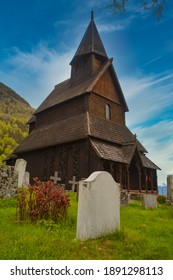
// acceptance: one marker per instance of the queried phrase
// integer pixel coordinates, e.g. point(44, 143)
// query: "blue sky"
point(39, 39)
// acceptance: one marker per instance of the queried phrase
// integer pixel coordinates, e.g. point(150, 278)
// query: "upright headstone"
point(26, 179)
point(149, 201)
point(124, 198)
point(20, 166)
point(98, 206)
point(170, 189)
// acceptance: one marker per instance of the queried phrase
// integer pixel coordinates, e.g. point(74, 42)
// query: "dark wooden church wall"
point(94, 161)
point(81, 70)
point(35, 163)
point(85, 68)
point(105, 87)
point(69, 160)
point(96, 63)
point(116, 113)
point(151, 180)
point(31, 127)
point(61, 112)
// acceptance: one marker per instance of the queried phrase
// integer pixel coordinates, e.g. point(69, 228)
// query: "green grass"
point(144, 234)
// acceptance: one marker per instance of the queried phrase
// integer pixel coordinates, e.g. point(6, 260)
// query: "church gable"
point(106, 87)
point(104, 108)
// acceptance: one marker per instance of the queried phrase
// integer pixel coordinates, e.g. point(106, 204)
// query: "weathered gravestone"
point(98, 206)
point(26, 179)
point(124, 198)
point(20, 166)
point(149, 201)
point(170, 189)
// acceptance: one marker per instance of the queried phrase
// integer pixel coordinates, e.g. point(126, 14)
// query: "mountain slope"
point(14, 113)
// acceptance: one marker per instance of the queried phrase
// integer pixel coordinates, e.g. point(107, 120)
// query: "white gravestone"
point(170, 188)
point(149, 201)
point(98, 206)
point(20, 166)
point(26, 179)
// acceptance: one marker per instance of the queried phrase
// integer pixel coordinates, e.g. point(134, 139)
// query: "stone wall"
point(8, 181)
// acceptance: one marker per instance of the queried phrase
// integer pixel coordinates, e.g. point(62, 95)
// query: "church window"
point(108, 111)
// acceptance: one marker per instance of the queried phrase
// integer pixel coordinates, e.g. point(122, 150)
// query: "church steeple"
point(89, 56)
point(91, 42)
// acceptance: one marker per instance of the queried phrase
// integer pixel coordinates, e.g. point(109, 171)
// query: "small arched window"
point(108, 111)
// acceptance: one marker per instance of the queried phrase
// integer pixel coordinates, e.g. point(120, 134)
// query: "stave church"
point(81, 127)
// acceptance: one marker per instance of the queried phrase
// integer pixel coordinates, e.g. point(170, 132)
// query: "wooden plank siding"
point(60, 112)
point(97, 107)
point(106, 88)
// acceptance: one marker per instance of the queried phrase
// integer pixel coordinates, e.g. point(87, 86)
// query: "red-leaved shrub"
point(42, 200)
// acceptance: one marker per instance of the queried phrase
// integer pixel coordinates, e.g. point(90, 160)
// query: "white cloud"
point(150, 101)
point(148, 97)
point(34, 74)
point(158, 140)
point(109, 27)
point(152, 60)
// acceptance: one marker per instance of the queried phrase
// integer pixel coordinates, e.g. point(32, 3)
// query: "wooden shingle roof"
point(148, 163)
point(91, 42)
point(109, 151)
point(110, 141)
point(112, 132)
point(64, 91)
point(76, 128)
point(117, 153)
point(55, 134)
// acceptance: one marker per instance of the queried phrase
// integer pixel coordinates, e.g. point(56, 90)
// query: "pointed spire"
point(91, 42)
point(92, 15)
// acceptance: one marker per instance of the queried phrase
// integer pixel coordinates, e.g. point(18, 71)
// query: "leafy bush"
point(42, 201)
point(161, 199)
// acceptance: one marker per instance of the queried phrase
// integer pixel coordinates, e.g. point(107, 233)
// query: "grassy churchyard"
point(144, 234)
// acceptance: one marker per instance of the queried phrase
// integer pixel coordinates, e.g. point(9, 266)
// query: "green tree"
point(154, 7)
point(14, 114)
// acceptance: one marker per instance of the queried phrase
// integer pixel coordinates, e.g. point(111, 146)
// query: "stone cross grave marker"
point(74, 183)
point(98, 206)
point(149, 201)
point(20, 166)
point(55, 178)
point(170, 189)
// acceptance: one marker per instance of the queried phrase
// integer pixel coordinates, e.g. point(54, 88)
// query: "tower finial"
point(92, 15)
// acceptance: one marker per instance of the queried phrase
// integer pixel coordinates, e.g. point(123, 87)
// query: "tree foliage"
point(14, 113)
point(154, 7)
